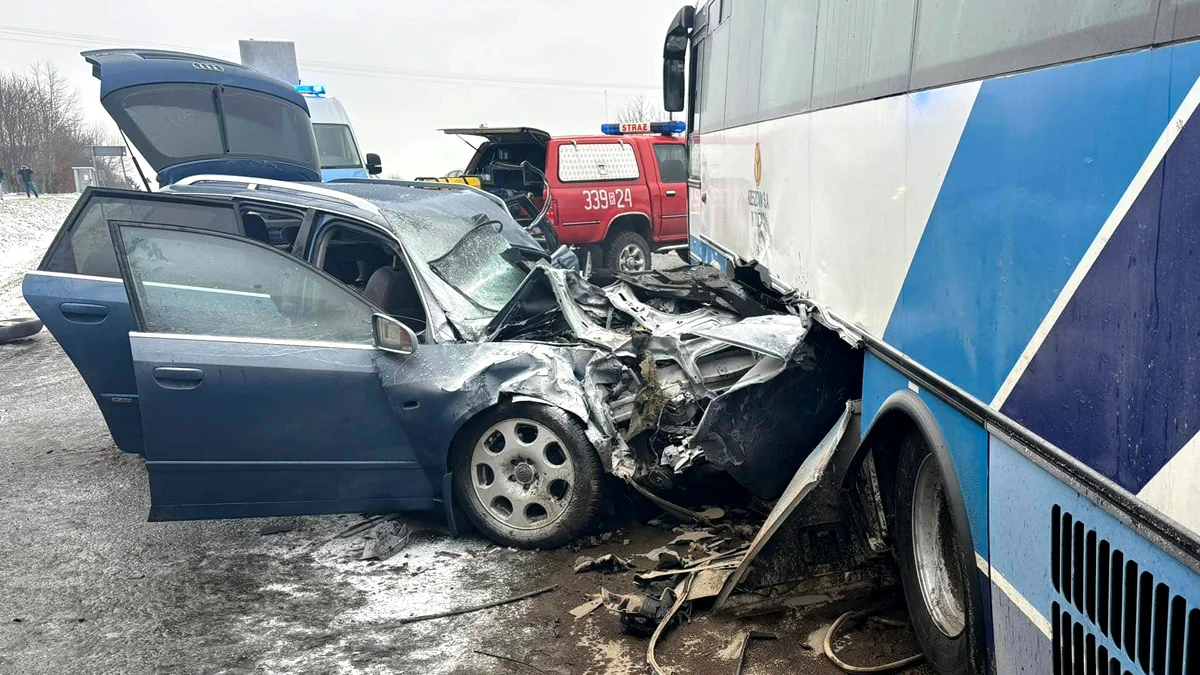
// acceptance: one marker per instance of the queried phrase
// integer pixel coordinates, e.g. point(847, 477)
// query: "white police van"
point(336, 143)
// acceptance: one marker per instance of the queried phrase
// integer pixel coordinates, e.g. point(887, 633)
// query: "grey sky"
point(616, 44)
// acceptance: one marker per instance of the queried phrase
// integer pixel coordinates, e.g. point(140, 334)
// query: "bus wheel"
point(943, 599)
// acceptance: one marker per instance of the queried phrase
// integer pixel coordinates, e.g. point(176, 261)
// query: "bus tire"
point(937, 568)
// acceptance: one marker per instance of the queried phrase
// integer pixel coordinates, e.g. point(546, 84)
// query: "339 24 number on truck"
point(598, 200)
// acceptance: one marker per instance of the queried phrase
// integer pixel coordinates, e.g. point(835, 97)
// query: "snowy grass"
point(27, 227)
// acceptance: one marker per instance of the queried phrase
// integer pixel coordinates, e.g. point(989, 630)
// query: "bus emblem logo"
point(757, 165)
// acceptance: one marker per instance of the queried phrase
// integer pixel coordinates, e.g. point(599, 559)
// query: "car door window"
point(86, 247)
point(672, 162)
point(198, 283)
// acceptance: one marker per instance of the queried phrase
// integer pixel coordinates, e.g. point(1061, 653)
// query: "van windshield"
point(335, 145)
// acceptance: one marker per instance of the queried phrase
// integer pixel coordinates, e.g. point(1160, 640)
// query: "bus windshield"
point(336, 147)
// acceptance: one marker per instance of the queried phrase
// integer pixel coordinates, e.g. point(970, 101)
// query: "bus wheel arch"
point(910, 456)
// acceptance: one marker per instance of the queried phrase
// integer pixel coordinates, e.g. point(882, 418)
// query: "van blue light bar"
point(311, 89)
point(672, 127)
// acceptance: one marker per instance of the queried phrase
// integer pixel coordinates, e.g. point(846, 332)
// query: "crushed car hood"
point(704, 367)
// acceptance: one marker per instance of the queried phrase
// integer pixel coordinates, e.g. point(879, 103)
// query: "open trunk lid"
point(503, 134)
point(190, 115)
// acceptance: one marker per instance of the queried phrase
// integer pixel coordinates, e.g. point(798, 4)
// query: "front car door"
point(259, 390)
point(671, 159)
point(77, 293)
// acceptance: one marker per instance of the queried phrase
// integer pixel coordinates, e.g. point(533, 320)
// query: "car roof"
point(364, 199)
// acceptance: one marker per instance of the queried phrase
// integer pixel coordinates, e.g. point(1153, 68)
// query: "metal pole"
point(95, 173)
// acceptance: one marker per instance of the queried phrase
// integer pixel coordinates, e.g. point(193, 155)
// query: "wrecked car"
point(289, 348)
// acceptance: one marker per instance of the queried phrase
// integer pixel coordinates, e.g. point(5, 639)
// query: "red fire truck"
point(620, 195)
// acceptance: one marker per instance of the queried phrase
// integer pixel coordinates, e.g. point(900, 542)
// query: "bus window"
point(786, 81)
point(960, 40)
point(863, 50)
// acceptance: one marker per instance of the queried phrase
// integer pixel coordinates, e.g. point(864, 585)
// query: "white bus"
point(999, 202)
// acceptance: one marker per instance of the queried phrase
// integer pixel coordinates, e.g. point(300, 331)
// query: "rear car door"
point(671, 190)
point(77, 293)
point(258, 383)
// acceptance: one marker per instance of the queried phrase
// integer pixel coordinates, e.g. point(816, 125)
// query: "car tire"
point(17, 329)
point(526, 475)
point(685, 254)
point(940, 584)
point(627, 251)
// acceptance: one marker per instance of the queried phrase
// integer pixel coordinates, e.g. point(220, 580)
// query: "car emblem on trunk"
point(211, 67)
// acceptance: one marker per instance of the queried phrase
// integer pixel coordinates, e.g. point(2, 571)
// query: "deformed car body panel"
point(462, 380)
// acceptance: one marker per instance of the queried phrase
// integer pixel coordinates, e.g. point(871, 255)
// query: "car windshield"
point(469, 257)
point(470, 267)
point(335, 144)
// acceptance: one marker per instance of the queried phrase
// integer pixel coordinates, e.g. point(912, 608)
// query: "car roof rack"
point(251, 184)
point(425, 185)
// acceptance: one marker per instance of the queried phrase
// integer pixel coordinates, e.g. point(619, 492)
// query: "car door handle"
point(83, 312)
point(178, 378)
point(670, 193)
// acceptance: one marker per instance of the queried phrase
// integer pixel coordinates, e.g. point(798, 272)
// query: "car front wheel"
point(526, 475)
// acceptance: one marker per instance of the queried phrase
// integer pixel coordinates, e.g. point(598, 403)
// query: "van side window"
point(672, 162)
point(86, 245)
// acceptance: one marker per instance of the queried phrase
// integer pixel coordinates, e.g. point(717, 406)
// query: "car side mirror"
point(374, 164)
point(393, 336)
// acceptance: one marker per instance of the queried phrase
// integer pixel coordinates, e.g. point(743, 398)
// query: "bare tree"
point(640, 109)
point(43, 126)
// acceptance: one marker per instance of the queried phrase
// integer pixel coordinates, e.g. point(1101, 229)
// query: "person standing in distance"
point(26, 174)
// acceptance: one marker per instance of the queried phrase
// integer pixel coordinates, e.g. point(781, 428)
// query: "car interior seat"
point(255, 227)
point(391, 288)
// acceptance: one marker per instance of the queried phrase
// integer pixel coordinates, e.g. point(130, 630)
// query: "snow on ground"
point(26, 228)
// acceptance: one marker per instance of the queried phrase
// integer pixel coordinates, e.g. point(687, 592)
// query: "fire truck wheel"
point(627, 252)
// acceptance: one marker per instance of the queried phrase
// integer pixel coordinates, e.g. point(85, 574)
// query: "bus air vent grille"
point(1111, 607)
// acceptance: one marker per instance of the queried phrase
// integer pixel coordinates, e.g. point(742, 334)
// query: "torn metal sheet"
point(761, 429)
point(810, 474)
point(587, 607)
point(777, 335)
point(605, 564)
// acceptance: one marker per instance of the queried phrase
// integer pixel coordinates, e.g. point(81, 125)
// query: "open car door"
point(190, 115)
point(258, 383)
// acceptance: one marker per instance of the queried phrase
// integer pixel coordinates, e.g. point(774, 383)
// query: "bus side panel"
point(719, 211)
point(1063, 570)
point(1126, 345)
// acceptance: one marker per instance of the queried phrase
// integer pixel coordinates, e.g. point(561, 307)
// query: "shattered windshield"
point(468, 257)
point(477, 268)
point(469, 265)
